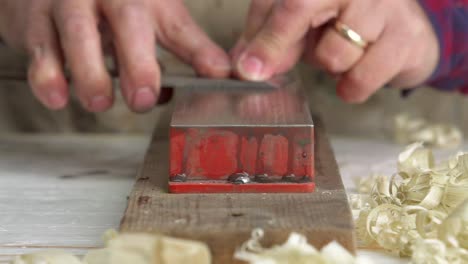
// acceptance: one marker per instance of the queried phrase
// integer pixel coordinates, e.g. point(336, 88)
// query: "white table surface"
point(65, 191)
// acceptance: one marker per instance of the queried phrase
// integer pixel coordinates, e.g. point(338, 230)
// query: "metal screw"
point(239, 178)
point(289, 178)
point(262, 178)
point(304, 179)
point(179, 178)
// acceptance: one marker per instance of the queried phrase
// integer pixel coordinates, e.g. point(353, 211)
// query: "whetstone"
point(242, 140)
point(225, 221)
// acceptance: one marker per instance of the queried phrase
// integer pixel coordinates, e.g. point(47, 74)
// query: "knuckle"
point(294, 6)
point(272, 41)
point(32, 33)
point(92, 85)
point(76, 26)
point(173, 30)
point(335, 55)
point(360, 79)
point(143, 76)
point(34, 36)
point(42, 78)
point(330, 61)
point(89, 78)
point(129, 10)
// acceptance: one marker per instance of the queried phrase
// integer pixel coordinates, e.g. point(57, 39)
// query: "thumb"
point(284, 30)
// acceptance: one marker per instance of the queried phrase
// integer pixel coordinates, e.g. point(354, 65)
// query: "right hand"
point(403, 47)
point(59, 32)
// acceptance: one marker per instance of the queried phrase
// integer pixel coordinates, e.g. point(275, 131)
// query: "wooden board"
point(225, 221)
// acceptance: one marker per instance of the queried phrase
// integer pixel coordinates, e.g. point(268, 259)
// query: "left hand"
point(402, 47)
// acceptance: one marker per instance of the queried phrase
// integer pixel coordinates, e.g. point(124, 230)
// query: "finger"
point(287, 25)
point(338, 54)
point(256, 17)
point(258, 14)
point(177, 32)
point(311, 41)
point(377, 67)
point(45, 73)
point(290, 58)
point(135, 47)
point(77, 27)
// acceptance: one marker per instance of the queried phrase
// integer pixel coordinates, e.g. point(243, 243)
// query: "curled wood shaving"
point(365, 185)
point(47, 257)
point(423, 207)
point(409, 129)
point(129, 248)
point(294, 250)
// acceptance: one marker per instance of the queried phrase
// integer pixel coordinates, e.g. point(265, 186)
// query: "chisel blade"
point(172, 81)
point(220, 85)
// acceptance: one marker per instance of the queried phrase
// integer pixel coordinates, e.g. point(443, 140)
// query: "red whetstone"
point(264, 138)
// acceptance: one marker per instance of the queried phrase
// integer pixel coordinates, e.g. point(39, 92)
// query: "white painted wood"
point(65, 191)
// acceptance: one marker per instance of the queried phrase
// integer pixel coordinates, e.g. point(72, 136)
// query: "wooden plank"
point(224, 221)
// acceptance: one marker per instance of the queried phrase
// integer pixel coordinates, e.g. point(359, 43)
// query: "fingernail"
point(55, 100)
point(251, 67)
point(143, 99)
point(99, 103)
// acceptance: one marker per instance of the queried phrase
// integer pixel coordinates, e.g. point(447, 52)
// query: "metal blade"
point(173, 81)
point(226, 85)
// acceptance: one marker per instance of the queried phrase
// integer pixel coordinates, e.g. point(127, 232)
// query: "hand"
point(402, 52)
point(59, 32)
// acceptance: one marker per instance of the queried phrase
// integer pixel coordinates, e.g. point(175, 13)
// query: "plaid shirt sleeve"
point(450, 22)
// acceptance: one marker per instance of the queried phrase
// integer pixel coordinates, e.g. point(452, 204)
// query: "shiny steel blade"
point(171, 81)
point(227, 85)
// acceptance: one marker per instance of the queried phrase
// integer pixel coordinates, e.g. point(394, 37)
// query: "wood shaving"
point(409, 129)
point(130, 248)
point(294, 250)
point(421, 211)
point(47, 257)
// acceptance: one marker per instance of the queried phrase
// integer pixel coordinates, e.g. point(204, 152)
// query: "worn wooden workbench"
point(65, 191)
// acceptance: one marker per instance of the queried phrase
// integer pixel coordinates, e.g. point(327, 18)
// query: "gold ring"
point(350, 35)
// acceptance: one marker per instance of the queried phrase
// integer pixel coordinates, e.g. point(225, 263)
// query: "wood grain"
point(225, 221)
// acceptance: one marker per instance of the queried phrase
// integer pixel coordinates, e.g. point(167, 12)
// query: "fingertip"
point(99, 103)
point(143, 99)
point(56, 100)
point(215, 65)
point(350, 94)
point(140, 86)
point(251, 67)
point(95, 91)
point(48, 84)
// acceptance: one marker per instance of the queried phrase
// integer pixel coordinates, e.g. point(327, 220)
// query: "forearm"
point(450, 22)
